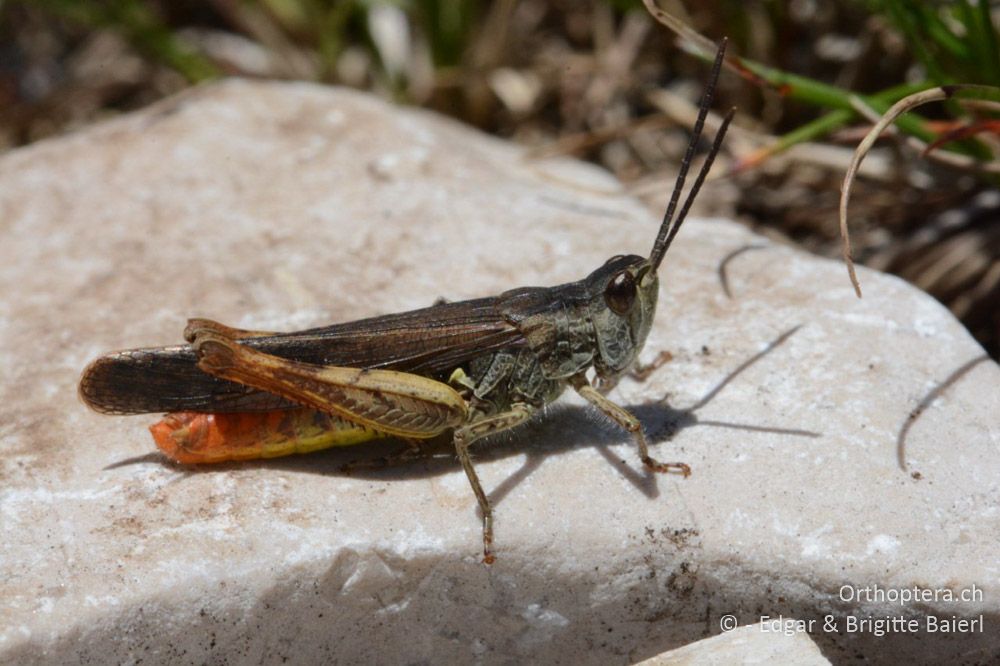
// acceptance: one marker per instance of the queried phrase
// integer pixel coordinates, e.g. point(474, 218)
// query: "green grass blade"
point(986, 39)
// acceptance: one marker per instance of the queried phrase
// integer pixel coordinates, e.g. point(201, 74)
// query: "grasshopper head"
point(629, 284)
point(622, 309)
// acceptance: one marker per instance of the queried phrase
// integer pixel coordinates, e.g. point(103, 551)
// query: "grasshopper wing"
point(431, 342)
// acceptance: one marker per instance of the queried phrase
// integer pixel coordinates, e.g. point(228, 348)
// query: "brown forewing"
point(431, 341)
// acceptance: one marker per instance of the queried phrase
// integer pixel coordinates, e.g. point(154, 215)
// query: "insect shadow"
point(561, 428)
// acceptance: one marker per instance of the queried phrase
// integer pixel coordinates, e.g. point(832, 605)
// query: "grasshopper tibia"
point(410, 450)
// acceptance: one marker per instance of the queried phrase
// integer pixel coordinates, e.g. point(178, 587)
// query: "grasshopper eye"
point(620, 293)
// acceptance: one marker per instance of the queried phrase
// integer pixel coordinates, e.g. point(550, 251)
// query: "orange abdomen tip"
point(196, 438)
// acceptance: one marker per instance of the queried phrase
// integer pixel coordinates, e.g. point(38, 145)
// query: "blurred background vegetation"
point(602, 80)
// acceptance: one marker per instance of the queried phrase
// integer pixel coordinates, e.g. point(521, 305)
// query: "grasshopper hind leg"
point(387, 401)
point(464, 436)
point(411, 450)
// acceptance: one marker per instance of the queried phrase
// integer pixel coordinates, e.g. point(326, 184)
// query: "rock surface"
point(752, 644)
point(283, 206)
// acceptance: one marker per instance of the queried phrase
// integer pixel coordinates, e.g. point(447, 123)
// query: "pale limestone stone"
point(284, 206)
point(753, 644)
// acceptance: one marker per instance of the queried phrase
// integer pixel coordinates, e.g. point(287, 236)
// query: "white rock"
point(289, 205)
point(753, 644)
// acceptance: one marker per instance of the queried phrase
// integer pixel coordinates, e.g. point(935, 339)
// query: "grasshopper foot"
point(488, 556)
point(641, 373)
point(667, 468)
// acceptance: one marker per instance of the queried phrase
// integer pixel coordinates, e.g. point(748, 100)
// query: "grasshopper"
point(473, 367)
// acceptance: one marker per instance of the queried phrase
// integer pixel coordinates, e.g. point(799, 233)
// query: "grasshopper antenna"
point(669, 228)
